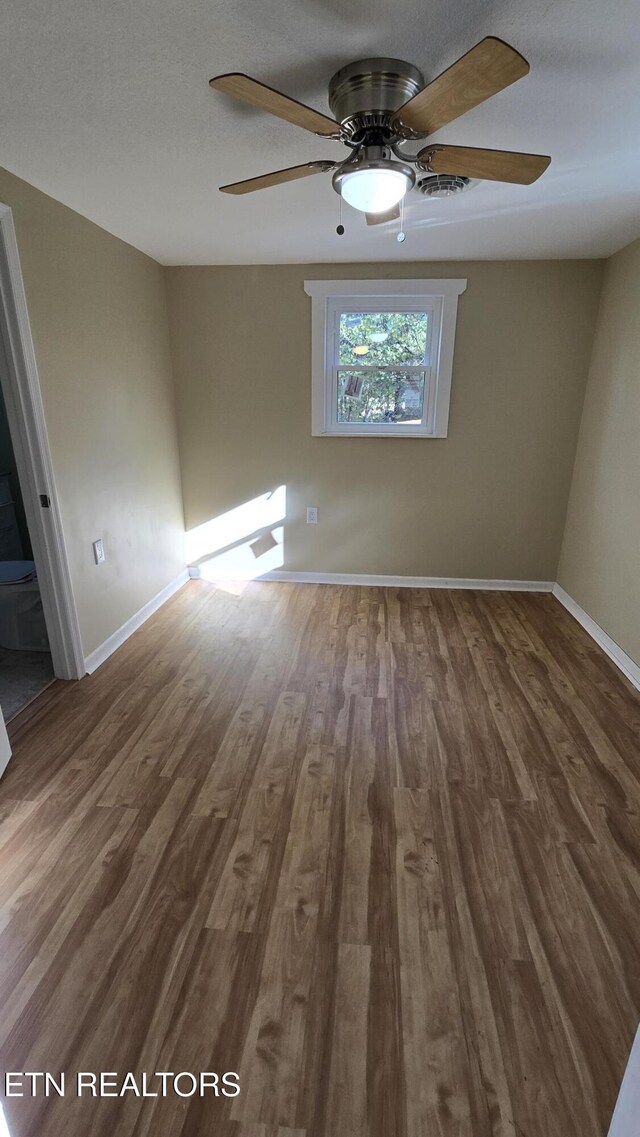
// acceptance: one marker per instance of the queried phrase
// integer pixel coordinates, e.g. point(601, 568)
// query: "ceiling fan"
point(381, 104)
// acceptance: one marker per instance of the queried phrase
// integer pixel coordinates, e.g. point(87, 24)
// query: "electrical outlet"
point(98, 552)
point(312, 515)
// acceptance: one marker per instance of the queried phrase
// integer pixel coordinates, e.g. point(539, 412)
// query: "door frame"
point(25, 412)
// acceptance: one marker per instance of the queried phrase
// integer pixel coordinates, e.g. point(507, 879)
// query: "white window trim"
point(438, 295)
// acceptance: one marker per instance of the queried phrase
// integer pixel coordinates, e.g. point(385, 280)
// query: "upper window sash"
point(338, 306)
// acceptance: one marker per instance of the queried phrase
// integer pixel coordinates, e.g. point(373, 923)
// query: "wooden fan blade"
point(380, 218)
point(291, 174)
point(267, 99)
point(492, 165)
point(489, 67)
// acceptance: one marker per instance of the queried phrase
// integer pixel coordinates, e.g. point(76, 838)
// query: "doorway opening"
point(37, 608)
point(26, 667)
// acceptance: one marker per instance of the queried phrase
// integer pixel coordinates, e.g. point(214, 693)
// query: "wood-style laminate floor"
point(378, 851)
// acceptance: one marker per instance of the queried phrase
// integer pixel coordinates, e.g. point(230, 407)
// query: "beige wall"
point(488, 501)
point(98, 316)
point(600, 562)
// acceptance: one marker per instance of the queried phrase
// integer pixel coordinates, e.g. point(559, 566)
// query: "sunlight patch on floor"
point(242, 543)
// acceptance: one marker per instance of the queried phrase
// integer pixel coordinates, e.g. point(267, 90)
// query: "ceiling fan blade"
point(489, 67)
point(267, 99)
point(291, 174)
point(380, 218)
point(492, 165)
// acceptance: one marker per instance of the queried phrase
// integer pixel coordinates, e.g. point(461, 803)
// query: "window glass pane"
point(382, 397)
point(383, 338)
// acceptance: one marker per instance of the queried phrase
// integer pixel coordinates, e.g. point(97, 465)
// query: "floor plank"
point(377, 851)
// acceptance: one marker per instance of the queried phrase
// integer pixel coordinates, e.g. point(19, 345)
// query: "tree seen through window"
point(381, 360)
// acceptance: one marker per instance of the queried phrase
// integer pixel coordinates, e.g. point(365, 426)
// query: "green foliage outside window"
point(373, 340)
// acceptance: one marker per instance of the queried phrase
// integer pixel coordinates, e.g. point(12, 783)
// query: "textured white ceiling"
point(105, 104)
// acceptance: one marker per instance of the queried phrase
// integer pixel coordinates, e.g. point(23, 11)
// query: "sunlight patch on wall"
point(242, 543)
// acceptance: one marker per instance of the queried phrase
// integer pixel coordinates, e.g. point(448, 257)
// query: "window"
point(382, 356)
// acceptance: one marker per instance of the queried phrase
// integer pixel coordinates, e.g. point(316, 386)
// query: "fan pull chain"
point(340, 227)
point(402, 236)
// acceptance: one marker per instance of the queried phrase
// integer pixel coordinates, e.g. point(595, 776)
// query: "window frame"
point(329, 298)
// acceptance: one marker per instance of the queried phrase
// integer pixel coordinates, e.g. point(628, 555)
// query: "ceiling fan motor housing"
point(364, 95)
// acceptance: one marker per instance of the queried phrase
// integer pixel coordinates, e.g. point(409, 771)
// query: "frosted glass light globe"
point(374, 191)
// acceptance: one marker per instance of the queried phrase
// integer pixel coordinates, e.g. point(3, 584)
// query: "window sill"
point(376, 434)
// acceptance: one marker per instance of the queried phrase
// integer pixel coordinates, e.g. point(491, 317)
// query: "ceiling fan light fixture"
point(374, 187)
point(379, 103)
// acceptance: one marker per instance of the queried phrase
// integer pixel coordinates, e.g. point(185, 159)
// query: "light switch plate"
point(98, 552)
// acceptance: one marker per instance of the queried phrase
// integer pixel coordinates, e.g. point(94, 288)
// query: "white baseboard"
point(624, 1122)
point(93, 661)
point(399, 581)
point(626, 664)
